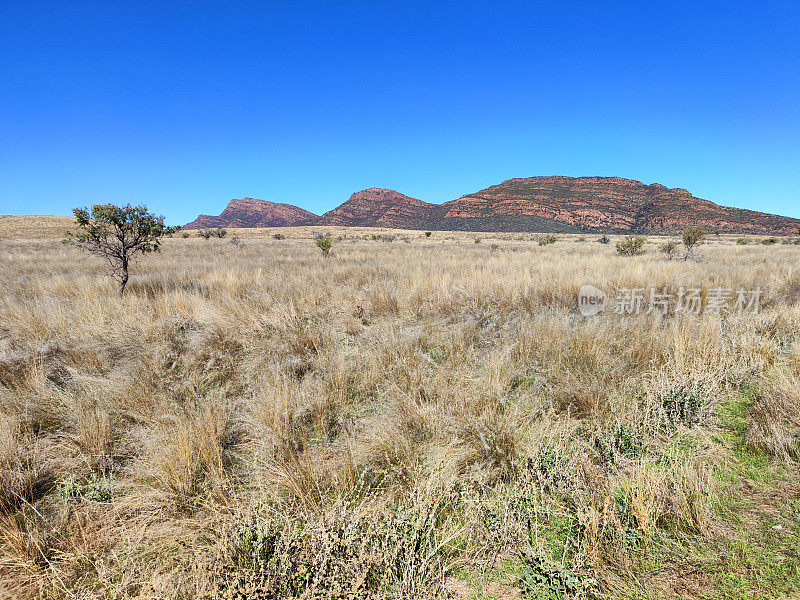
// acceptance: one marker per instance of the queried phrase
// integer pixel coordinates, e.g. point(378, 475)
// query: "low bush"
point(545, 240)
point(633, 245)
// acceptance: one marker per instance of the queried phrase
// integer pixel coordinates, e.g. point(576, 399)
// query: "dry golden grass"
point(402, 419)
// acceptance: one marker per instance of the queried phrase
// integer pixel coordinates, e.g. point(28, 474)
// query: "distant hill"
point(535, 204)
point(34, 227)
point(376, 207)
point(249, 212)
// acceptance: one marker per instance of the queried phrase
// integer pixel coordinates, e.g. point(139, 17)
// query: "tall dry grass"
point(255, 417)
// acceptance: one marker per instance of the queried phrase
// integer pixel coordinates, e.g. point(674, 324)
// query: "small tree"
point(428, 233)
point(118, 234)
point(669, 249)
point(692, 237)
point(324, 244)
point(633, 245)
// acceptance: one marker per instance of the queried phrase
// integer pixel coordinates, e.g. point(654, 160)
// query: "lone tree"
point(118, 234)
point(692, 237)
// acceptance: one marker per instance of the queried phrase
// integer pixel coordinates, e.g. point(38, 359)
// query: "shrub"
point(669, 248)
point(692, 237)
point(633, 245)
point(278, 236)
point(547, 239)
point(324, 244)
point(343, 553)
point(769, 241)
point(219, 232)
point(185, 234)
point(428, 233)
point(477, 240)
point(204, 233)
point(604, 239)
point(742, 241)
point(540, 577)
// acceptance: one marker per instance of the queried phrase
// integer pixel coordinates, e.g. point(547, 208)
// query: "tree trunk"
point(124, 280)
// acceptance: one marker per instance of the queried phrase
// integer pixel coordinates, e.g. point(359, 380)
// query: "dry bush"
point(350, 551)
point(774, 418)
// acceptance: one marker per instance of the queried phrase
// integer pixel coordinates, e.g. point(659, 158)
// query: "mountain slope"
point(377, 207)
point(249, 212)
point(597, 204)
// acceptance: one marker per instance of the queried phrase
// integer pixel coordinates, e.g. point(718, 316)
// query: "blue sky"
point(183, 106)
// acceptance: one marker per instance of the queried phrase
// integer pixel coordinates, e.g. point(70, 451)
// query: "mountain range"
point(533, 204)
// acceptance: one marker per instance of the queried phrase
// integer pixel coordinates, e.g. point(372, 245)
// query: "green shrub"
point(604, 239)
point(769, 241)
point(633, 245)
point(324, 244)
point(428, 233)
point(742, 241)
point(547, 239)
point(544, 579)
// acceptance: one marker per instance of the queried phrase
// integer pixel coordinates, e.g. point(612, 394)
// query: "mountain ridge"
point(251, 212)
point(532, 204)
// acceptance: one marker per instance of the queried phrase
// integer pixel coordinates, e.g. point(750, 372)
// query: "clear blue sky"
point(185, 105)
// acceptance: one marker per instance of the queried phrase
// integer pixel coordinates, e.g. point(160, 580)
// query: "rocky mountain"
point(249, 212)
point(376, 207)
point(534, 204)
point(587, 204)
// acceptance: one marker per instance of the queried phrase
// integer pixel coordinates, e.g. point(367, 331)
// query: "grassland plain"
point(411, 417)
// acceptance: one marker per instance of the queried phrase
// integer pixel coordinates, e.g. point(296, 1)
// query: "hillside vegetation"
point(411, 417)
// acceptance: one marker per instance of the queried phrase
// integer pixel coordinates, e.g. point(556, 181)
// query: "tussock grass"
point(399, 420)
